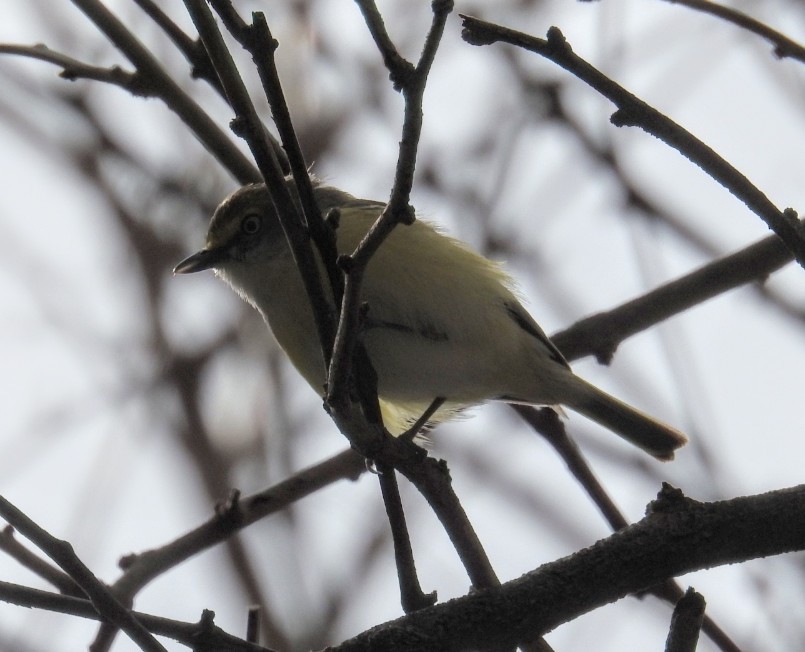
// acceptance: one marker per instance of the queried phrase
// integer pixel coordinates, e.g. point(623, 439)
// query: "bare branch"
point(73, 69)
point(547, 423)
point(248, 126)
point(411, 595)
point(192, 50)
point(783, 46)
point(686, 623)
point(210, 135)
point(600, 334)
point(635, 113)
point(398, 209)
point(61, 552)
point(204, 635)
point(25, 557)
point(704, 535)
point(142, 568)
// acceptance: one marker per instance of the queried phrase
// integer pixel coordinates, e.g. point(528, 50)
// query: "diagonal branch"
point(239, 513)
point(783, 46)
point(547, 423)
point(260, 43)
point(248, 125)
point(61, 552)
point(202, 126)
point(192, 50)
point(678, 535)
point(600, 334)
point(37, 565)
point(634, 112)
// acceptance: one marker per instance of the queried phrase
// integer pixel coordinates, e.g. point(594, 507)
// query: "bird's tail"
point(634, 426)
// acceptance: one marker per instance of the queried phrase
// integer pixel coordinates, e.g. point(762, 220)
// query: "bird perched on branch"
point(443, 326)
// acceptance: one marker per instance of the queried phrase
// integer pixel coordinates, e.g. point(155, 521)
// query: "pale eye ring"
point(251, 224)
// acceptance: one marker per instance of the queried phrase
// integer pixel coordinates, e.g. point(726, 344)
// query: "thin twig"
point(411, 595)
point(400, 70)
point(634, 112)
point(398, 209)
point(73, 69)
point(253, 625)
point(193, 52)
point(61, 552)
point(250, 128)
point(204, 635)
point(201, 125)
point(783, 46)
point(262, 46)
point(260, 43)
point(547, 423)
point(672, 592)
point(34, 563)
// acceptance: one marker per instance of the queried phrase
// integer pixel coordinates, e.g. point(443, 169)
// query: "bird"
point(444, 329)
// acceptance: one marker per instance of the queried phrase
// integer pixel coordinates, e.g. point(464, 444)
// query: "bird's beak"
point(199, 261)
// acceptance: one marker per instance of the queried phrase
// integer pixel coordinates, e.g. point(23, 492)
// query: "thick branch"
point(678, 536)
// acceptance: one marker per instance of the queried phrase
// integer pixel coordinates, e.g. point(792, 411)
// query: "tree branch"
point(37, 565)
point(202, 126)
point(600, 334)
point(634, 112)
point(140, 569)
point(192, 50)
point(248, 125)
point(398, 210)
point(679, 535)
point(783, 46)
point(547, 423)
point(204, 635)
point(61, 552)
point(73, 69)
point(683, 635)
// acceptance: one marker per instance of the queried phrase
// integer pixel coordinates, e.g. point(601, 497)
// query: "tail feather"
point(634, 426)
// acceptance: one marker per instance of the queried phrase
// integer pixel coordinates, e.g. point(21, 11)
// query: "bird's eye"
point(251, 224)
